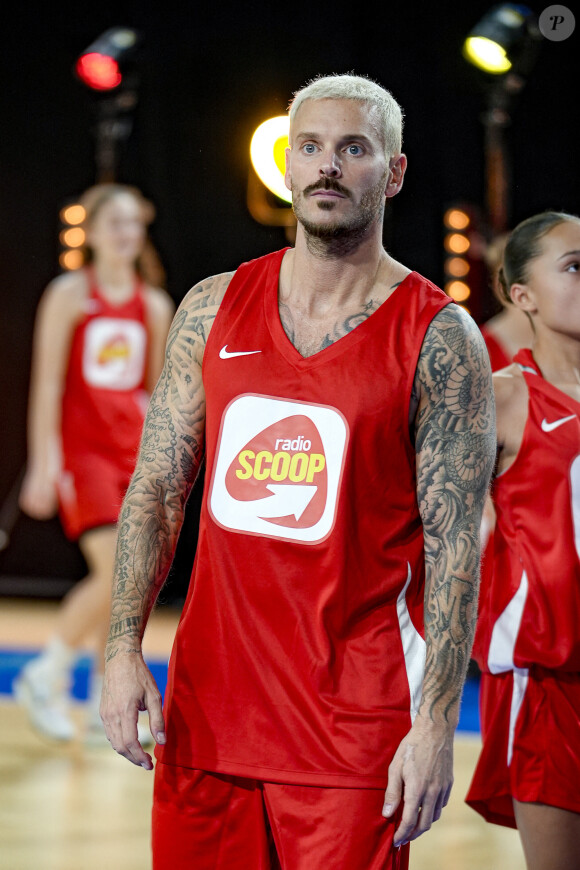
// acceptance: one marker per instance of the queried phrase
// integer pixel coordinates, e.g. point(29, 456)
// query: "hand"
point(422, 773)
point(128, 687)
point(38, 495)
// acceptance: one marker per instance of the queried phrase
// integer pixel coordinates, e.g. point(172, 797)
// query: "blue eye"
point(355, 150)
point(309, 148)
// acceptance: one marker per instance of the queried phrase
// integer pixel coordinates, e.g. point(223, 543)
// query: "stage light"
point(99, 71)
point(268, 155)
point(457, 243)
point(456, 219)
point(497, 38)
point(100, 65)
point(73, 214)
point(73, 237)
point(458, 267)
point(71, 260)
point(458, 290)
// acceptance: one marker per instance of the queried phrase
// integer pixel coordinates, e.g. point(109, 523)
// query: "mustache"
point(327, 184)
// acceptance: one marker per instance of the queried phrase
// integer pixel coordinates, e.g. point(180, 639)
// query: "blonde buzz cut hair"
point(365, 90)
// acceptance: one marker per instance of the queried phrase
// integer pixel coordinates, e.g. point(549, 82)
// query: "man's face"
point(336, 167)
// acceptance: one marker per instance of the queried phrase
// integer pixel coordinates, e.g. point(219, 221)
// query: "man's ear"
point(397, 169)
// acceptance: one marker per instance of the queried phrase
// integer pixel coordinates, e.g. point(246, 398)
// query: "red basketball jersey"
point(498, 357)
point(104, 401)
point(299, 657)
point(530, 608)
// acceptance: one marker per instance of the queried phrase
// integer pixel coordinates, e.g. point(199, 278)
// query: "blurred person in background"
point(509, 329)
point(528, 632)
point(98, 350)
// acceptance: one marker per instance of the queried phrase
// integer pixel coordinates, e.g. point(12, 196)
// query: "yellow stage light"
point(456, 219)
point(457, 243)
point(71, 259)
point(457, 266)
point(487, 54)
point(73, 214)
point(74, 237)
point(458, 290)
point(268, 155)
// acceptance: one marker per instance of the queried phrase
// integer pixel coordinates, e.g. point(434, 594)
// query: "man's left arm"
point(455, 443)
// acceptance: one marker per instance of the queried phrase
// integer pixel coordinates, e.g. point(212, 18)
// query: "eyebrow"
point(569, 253)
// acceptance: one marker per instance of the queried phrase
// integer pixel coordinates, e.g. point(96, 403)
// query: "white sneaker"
point(45, 699)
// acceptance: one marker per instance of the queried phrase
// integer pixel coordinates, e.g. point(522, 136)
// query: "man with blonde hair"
point(344, 411)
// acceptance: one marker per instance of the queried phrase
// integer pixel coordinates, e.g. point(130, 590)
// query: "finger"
point(132, 749)
point(447, 793)
point(409, 820)
point(440, 803)
point(121, 732)
point(424, 820)
point(156, 719)
point(394, 791)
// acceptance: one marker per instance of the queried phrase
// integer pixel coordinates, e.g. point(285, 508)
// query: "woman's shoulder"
point(511, 403)
point(158, 301)
point(67, 292)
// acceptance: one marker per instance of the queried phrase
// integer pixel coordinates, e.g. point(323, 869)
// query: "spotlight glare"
point(73, 214)
point(71, 260)
point(457, 243)
point(73, 237)
point(458, 290)
point(267, 152)
point(98, 71)
point(456, 219)
point(487, 54)
point(458, 267)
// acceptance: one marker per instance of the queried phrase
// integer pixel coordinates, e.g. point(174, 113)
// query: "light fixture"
point(268, 155)
point(100, 66)
point(496, 40)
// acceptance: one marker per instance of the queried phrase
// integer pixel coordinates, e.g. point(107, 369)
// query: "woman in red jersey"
point(98, 351)
point(528, 635)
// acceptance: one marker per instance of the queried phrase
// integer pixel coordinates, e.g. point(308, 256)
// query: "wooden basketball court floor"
point(79, 808)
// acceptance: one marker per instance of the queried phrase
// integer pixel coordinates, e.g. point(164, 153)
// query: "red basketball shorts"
point(210, 821)
point(91, 491)
point(531, 743)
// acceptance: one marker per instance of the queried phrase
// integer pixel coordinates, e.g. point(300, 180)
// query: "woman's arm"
point(58, 313)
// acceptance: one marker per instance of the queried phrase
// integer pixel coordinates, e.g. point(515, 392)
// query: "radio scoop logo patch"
point(278, 468)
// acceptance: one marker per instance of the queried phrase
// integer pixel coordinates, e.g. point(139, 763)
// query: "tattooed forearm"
point(455, 443)
point(172, 448)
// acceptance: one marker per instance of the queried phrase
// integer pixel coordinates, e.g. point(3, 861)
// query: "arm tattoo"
point(171, 452)
point(455, 444)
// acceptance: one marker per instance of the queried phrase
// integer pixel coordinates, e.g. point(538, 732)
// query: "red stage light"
point(98, 71)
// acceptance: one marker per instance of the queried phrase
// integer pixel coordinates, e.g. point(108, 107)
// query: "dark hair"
point(523, 245)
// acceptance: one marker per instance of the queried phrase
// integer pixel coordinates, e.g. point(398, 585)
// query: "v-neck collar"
point(341, 345)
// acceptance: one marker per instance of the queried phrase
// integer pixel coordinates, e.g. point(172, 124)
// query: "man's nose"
point(330, 166)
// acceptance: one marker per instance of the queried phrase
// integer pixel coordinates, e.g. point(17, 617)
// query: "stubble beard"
point(335, 239)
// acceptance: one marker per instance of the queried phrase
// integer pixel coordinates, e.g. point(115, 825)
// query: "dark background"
point(210, 73)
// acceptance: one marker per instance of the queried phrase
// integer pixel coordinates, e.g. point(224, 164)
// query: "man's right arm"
point(170, 455)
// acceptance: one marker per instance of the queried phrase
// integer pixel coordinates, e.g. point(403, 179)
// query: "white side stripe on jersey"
point(575, 481)
point(518, 693)
point(414, 649)
point(505, 631)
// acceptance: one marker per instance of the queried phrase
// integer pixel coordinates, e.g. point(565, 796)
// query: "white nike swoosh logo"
point(547, 427)
point(227, 354)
